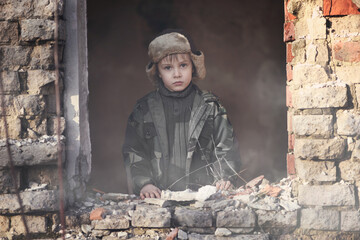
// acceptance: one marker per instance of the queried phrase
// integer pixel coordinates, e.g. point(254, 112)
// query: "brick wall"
point(27, 72)
point(323, 83)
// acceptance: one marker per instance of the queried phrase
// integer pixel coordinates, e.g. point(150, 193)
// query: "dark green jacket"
point(211, 152)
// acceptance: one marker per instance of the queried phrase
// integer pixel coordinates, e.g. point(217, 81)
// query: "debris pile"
point(256, 210)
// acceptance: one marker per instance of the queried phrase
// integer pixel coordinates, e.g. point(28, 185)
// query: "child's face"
point(176, 71)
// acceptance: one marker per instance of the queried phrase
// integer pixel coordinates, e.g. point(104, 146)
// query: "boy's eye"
point(183, 65)
point(167, 67)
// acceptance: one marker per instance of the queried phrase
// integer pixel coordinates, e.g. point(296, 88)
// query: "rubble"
point(203, 214)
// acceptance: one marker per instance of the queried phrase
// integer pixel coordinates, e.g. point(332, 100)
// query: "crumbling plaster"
point(78, 151)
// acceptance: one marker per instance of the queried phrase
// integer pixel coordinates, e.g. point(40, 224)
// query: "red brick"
point(289, 55)
point(289, 31)
point(291, 141)
point(288, 16)
point(288, 97)
point(347, 51)
point(97, 214)
point(289, 72)
point(290, 160)
point(340, 7)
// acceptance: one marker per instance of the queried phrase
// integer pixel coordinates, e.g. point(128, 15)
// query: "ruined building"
point(318, 200)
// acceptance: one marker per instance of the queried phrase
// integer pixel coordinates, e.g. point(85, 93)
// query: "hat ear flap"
point(198, 59)
point(151, 72)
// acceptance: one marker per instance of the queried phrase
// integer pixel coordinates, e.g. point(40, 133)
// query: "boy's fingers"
point(158, 193)
point(147, 195)
point(142, 196)
point(227, 185)
point(218, 185)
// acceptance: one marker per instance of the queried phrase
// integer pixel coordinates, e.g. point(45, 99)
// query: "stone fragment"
point(182, 235)
point(301, 29)
point(31, 105)
point(160, 202)
point(195, 236)
point(317, 53)
point(13, 126)
point(329, 95)
point(236, 219)
point(357, 89)
point(180, 196)
point(112, 222)
point(319, 219)
point(30, 155)
point(43, 175)
point(205, 192)
point(321, 171)
point(38, 79)
point(350, 221)
point(241, 230)
point(36, 126)
point(100, 233)
point(298, 51)
point(15, 9)
point(222, 232)
point(277, 222)
point(327, 195)
point(4, 224)
point(348, 123)
point(42, 57)
point(192, 218)
point(6, 183)
point(317, 27)
point(268, 203)
point(86, 228)
point(10, 108)
point(97, 214)
point(347, 51)
point(9, 32)
point(349, 170)
point(10, 80)
point(53, 123)
point(313, 125)
point(289, 205)
point(46, 8)
point(346, 26)
point(13, 57)
point(42, 29)
point(36, 224)
point(356, 151)
point(348, 74)
point(221, 205)
point(323, 149)
point(33, 201)
point(307, 73)
point(151, 217)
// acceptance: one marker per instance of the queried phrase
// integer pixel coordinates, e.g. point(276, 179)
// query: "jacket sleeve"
point(135, 153)
point(226, 152)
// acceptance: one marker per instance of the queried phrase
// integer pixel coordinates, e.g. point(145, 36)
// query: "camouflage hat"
point(172, 43)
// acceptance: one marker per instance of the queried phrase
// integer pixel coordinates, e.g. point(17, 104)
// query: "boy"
point(178, 136)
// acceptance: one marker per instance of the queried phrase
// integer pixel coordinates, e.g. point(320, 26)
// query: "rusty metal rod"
point(58, 113)
point(11, 161)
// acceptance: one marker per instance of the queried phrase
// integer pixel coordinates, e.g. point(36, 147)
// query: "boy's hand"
point(223, 185)
point(150, 191)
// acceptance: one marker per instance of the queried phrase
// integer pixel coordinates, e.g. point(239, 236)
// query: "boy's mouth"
point(177, 83)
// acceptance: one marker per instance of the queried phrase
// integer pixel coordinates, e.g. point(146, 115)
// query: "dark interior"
point(245, 60)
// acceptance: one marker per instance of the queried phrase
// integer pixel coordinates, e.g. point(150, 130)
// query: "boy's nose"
point(177, 72)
